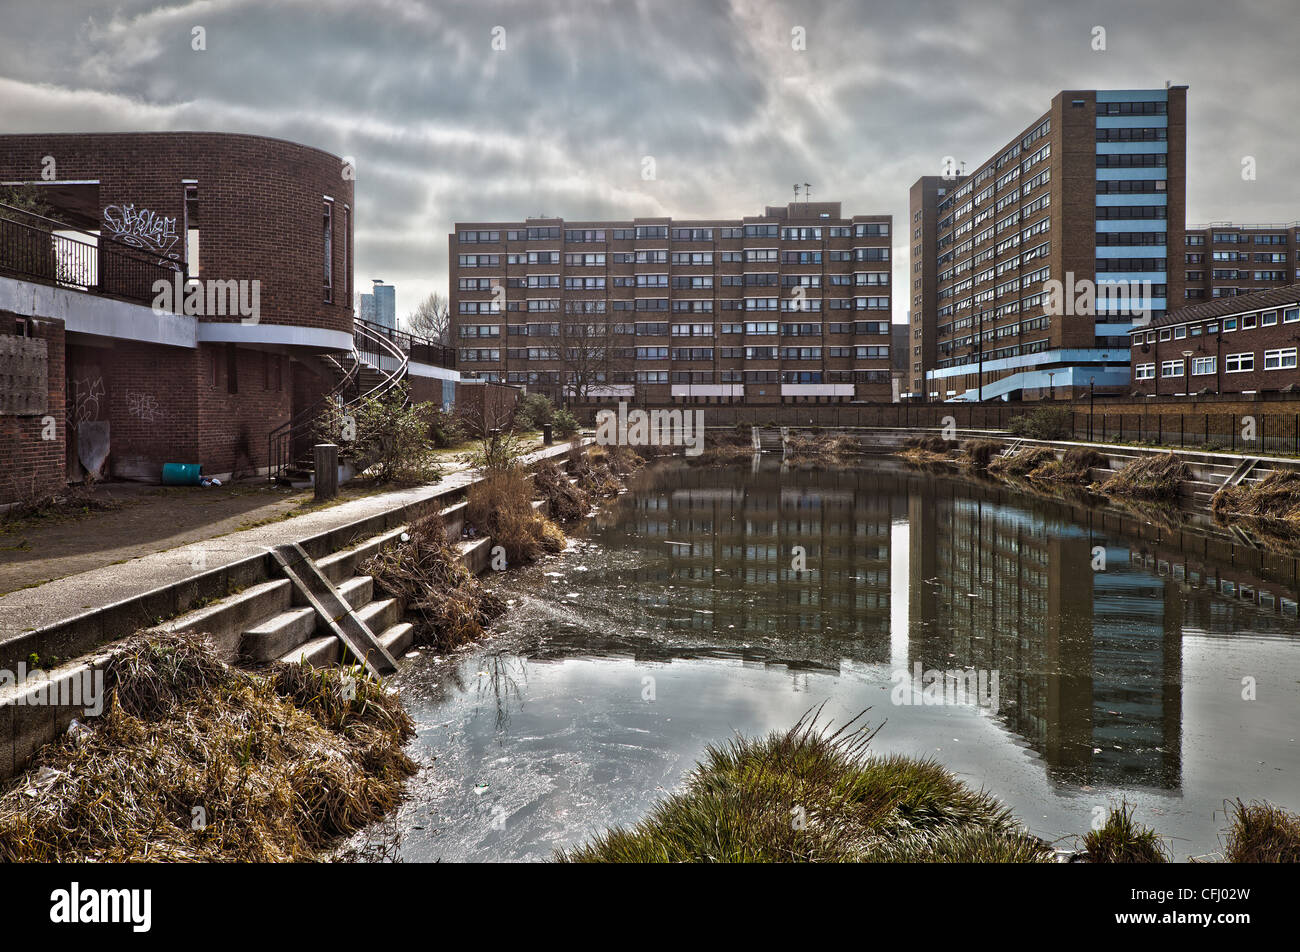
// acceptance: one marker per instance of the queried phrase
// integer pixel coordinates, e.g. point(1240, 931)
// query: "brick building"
point(791, 306)
point(1241, 344)
point(1224, 259)
point(1092, 191)
point(260, 228)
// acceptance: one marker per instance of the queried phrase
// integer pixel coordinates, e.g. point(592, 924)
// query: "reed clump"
point(979, 453)
point(196, 761)
point(1262, 833)
point(1274, 500)
point(1157, 478)
point(1023, 463)
point(447, 603)
point(812, 795)
point(567, 501)
point(1074, 466)
point(501, 506)
point(819, 450)
point(1123, 840)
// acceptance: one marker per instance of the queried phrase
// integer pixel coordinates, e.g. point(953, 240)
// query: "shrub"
point(534, 410)
point(389, 438)
point(1044, 423)
point(446, 429)
point(501, 451)
point(566, 424)
point(568, 502)
point(1074, 466)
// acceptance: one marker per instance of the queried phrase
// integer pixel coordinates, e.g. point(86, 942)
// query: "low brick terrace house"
point(1246, 344)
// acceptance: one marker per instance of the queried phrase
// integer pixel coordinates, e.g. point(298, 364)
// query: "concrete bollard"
point(326, 459)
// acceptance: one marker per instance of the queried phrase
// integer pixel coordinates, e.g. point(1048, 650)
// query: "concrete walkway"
point(55, 601)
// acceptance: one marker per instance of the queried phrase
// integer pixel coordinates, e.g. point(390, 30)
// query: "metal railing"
point(388, 351)
point(36, 248)
point(416, 348)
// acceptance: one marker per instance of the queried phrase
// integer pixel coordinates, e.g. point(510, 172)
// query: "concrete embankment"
point(239, 598)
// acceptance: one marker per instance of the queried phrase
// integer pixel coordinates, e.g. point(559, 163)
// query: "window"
point(347, 260)
point(192, 230)
point(328, 230)
point(1144, 372)
point(1229, 324)
point(1268, 319)
point(1248, 322)
point(1291, 315)
point(1180, 333)
point(1280, 359)
point(1204, 365)
point(1166, 335)
point(1239, 363)
point(1171, 368)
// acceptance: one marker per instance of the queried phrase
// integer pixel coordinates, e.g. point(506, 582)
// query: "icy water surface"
point(1119, 646)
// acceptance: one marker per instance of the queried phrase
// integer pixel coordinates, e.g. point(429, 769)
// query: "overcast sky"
point(443, 127)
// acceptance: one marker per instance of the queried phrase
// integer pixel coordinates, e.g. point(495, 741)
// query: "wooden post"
point(326, 459)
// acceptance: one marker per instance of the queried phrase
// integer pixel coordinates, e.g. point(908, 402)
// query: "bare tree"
point(591, 350)
point(431, 319)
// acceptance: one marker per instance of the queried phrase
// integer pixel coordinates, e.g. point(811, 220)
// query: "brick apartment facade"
point(1223, 259)
point(1093, 189)
point(791, 306)
point(158, 386)
point(1244, 344)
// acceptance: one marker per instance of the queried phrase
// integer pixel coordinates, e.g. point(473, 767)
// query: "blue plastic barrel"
point(181, 474)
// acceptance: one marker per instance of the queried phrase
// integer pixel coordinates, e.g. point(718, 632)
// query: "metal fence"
point(40, 249)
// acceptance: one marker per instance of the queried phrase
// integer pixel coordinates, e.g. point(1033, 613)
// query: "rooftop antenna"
point(796, 191)
point(807, 194)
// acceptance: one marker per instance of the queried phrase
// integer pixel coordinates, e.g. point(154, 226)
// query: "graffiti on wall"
point(143, 406)
point(84, 404)
point(145, 229)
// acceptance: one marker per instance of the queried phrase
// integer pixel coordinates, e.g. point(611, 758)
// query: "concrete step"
point(225, 621)
point(281, 633)
point(398, 638)
point(328, 650)
point(381, 615)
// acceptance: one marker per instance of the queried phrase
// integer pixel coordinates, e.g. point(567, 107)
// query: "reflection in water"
point(688, 612)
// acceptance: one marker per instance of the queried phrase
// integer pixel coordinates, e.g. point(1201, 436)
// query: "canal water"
point(1097, 654)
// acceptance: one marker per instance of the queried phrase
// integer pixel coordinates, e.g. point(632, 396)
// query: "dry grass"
point(568, 502)
point(448, 604)
point(1262, 833)
point(196, 761)
point(1023, 463)
point(500, 505)
point(819, 450)
point(1157, 478)
point(979, 453)
point(1074, 466)
point(1273, 501)
point(595, 474)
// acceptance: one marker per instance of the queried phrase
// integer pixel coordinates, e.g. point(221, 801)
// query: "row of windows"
point(1284, 358)
point(1245, 322)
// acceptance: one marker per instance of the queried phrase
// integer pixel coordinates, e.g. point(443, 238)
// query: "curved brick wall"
point(260, 206)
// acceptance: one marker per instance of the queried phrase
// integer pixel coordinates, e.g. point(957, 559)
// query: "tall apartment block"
point(791, 306)
point(1223, 259)
point(1090, 191)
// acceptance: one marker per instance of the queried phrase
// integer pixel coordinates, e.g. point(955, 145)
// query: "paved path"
point(63, 598)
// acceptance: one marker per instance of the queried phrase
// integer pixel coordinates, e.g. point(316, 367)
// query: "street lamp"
point(1187, 372)
point(1051, 380)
